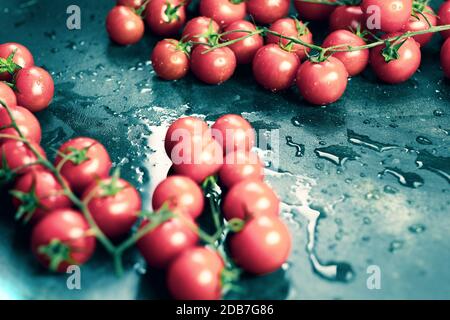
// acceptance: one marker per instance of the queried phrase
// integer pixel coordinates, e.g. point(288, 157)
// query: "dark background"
point(110, 93)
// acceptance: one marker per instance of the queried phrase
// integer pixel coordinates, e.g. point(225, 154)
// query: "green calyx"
point(228, 279)
point(237, 1)
point(57, 252)
point(390, 52)
point(302, 28)
point(29, 202)
point(8, 65)
point(171, 12)
point(6, 174)
point(76, 156)
point(111, 188)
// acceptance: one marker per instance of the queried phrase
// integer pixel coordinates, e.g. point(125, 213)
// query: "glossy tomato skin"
point(224, 12)
point(168, 61)
point(262, 246)
point(28, 124)
point(197, 27)
point(158, 21)
point(393, 14)
point(214, 67)
point(48, 191)
point(322, 83)
point(114, 214)
point(444, 17)
point(233, 133)
point(401, 69)
point(135, 4)
point(347, 18)
point(196, 275)
point(124, 26)
point(288, 27)
point(22, 57)
point(162, 245)
point(313, 11)
point(96, 166)
point(274, 68)
point(181, 194)
point(239, 166)
point(245, 49)
point(7, 95)
point(267, 11)
point(420, 22)
point(354, 61)
point(250, 197)
point(445, 58)
point(69, 227)
point(17, 155)
point(185, 127)
point(34, 88)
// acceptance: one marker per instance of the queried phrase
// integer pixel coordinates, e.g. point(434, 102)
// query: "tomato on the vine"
point(197, 29)
point(347, 18)
point(22, 57)
point(124, 26)
point(196, 275)
point(165, 17)
point(233, 133)
point(62, 239)
point(444, 17)
point(313, 11)
point(445, 58)
point(7, 95)
point(421, 21)
point(386, 15)
point(245, 49)
point(239, 166)
point(323, 82)
point(26, 122)
point(170, 60)
point(213, 67)
point(223, 11)
point(34, 88)
point(268, 11)
point(19, 157)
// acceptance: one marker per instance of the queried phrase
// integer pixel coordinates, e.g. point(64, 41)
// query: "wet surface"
point(364, 181)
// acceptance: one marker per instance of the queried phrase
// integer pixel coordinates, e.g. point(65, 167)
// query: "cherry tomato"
point(223, 11)
point(196, 275)
point(62, 237)
point(313, 11)
point(346, 17)
point(7, 95)
point(135, 4)
point(18, 156)
point(267, 11)
point(185, 127)
point(214, 67)
point(198, 28)
point(386, 15)
point(274, 68)
point(398, 70)
point(445, 58)
point(291, 28)
point(239, 166)
point(40, 193)
point(444, 17)
point(162, 245)
point(181, 194)
point(354, 61)
point(248, 198)
point(124, 26)
point(421, 22)
point(322, 83)
point(262, 246)
point(165, 17)
point(22, 57)
point(233, 133)
point(114, 205)
point(245, 49)
point(28, 124)
point(87, 162)
point(169, 60)
point(34, 88)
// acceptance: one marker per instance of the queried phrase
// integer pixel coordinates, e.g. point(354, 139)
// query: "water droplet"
point(423, 140)
point(365, 141)
point(439, 165)
point(390, 189)
point(407, 179)
point(417, 228)
point(336, 154)
point(300, 148)
point(396, 245)
point(438, 113)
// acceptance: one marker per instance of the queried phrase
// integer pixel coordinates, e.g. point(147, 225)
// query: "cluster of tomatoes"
point(374, 32)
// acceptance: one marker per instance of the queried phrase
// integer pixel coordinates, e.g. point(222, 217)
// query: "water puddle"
point(367, 142)
point(337, 154)
point(439, 165)
point(300, 148)
point(407, 179)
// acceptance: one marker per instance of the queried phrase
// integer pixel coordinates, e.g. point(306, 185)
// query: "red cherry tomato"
point(196, 275)
point(354, 61)
point(124, 26)
point(274, 68)
point(65, 230)
point(386, 15)
point(7, 95)
point(19, 157)
point(245, 49)
point(44, 194)
point(214, 67)
point(34, 88)
point(248, 198)
point(197, 28)
point(445, 58)
point(28, 124)
point(291, 28)
point(233, 133)
point(181, 194)
point(444, 18)
point(398, 70)
point(267, 11)
point(114, 205)
point(262, 246)
point(223, 11)
point(169, 60)
point(239, 166)
point(135, 4)
point(88, 161)
point(421, 22)
point(322, 83)
point(346, 17)
point(162, 245)
point(165, 17)
point(313, 11)
point(22, 57)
